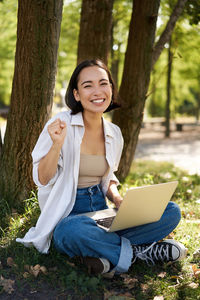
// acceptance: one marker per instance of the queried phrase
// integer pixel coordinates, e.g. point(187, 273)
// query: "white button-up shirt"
point(57, 198)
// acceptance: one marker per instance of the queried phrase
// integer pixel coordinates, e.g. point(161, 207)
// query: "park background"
point(166, 89)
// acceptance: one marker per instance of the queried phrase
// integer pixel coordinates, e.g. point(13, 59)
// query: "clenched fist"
point(57, 131)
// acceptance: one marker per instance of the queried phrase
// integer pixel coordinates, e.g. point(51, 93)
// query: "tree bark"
point(114, 59)
point(167, 109)
point(38, 33)
point(135, 79)
point(95, 30)
point(166, 34)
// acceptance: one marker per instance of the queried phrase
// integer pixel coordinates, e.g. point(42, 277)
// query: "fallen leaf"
point(26, 275)
point(144, 287)
point(36, 267)
point(10, 262)
point(171, 235)
point(197, 274)
point(131, 282)
point(162, 274)
point(158, 298)
point(43, 269)
point(34, 271)
point(193, 285)
point(7, 285)
point(196, 271)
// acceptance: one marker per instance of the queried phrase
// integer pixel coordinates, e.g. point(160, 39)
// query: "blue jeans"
point(80, 236)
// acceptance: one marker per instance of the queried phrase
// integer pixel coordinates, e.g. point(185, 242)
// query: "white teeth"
point(98, 101)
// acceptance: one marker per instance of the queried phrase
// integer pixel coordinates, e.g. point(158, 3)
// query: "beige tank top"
point(92, 169)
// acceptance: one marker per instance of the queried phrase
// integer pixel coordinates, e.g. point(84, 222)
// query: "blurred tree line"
point(185, 50)
point(122, 32)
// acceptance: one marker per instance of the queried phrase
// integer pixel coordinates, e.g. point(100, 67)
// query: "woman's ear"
point(76, 95)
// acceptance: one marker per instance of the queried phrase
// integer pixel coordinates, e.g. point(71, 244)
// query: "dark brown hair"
point(71, 102)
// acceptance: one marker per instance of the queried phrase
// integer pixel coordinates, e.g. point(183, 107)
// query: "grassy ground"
point(27, 274)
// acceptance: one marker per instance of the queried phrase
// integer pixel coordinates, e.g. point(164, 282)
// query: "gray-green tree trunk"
point(38, 33)
point(167, 108)
point(136, 76)
point(95, 30)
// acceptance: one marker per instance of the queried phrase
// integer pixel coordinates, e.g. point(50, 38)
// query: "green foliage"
point(192, 10)
point(67, 53)
point(185, 68)
point(122, 10)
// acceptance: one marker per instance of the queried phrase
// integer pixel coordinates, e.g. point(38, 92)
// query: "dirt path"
point(182, 148)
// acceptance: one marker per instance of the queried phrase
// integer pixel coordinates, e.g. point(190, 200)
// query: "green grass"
point(68, 279)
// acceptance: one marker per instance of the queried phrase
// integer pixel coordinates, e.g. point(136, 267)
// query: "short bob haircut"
point(71, 102)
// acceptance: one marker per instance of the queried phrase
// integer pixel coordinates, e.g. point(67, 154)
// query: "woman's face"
point(94, 89)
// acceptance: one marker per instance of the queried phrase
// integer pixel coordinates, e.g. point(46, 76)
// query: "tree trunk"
point(114, 58)
point(38, 33)
point(167, 109)
point(136, 76)
point(95, 30)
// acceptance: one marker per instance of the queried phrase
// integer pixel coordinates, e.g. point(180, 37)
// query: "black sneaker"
point(168, 250)
point(96, 265)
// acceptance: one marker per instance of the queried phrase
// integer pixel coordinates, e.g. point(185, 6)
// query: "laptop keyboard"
point(105, 222)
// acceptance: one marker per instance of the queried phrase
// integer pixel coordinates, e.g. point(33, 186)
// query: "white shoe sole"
point(182, 249)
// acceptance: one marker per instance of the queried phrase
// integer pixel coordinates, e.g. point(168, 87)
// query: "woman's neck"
point(92, 121)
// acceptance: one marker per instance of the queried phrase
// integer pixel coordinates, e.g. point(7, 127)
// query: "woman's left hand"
point(117, 201)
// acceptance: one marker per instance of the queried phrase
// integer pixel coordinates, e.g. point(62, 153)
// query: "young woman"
point(74, 162)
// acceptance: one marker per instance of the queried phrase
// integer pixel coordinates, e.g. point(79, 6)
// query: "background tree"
point(38, 32)
point(139, 60)
point(95, 29)
point(184, 48)
point(168, 101)
point(7, 48)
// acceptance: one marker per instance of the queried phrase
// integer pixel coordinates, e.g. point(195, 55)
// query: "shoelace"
point(157, 252)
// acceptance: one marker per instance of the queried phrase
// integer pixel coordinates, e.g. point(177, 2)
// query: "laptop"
point(141, 205)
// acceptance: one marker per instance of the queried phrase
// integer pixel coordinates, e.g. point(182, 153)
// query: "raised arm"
point(48, 164)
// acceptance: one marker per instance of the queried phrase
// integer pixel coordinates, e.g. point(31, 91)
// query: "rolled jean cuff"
point(125, 257)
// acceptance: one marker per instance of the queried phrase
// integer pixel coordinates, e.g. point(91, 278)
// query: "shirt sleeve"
point(41, 148)
point(119, 147)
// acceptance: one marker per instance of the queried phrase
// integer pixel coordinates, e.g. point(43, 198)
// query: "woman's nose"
point(97, 91)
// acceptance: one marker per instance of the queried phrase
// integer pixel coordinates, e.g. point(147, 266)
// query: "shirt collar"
point(77, 119)
point(107, 129)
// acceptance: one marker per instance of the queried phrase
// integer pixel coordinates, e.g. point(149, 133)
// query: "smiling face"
point(94, 89)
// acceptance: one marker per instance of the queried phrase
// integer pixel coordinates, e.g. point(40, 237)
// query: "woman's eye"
point(87, 86)
point(104, 83)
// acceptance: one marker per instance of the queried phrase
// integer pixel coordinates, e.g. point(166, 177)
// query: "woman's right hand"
point(57, 131)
